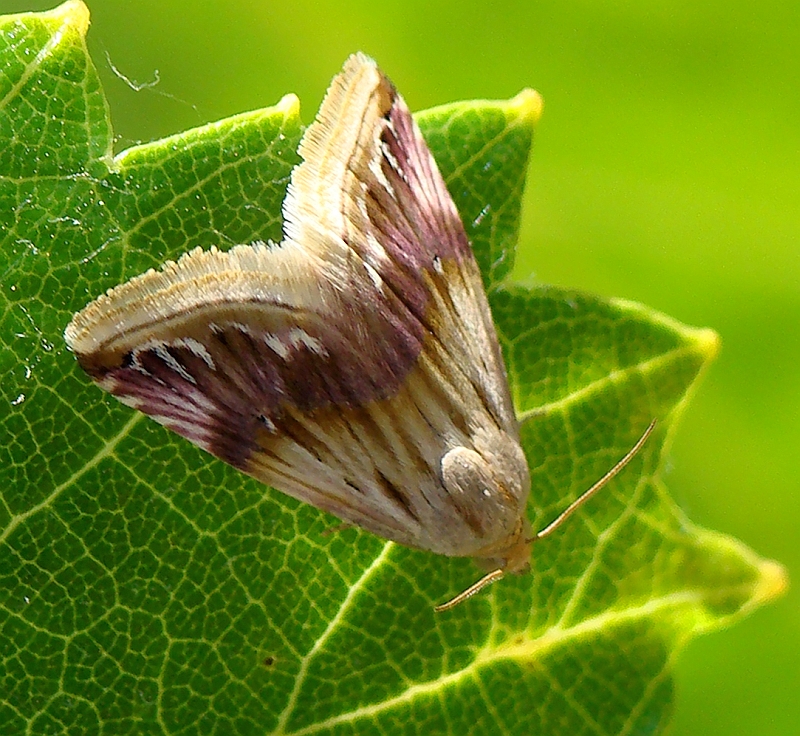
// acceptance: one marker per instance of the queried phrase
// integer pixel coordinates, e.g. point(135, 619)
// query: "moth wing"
point(354, 366)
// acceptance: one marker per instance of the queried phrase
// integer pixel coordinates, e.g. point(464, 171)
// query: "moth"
point(354, 365)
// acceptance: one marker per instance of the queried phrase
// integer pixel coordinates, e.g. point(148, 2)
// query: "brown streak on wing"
point(398, 496)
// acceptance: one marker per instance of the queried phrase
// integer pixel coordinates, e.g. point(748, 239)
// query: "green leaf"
point(147, 588)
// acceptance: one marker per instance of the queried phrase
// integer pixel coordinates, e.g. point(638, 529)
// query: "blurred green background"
point(666, 170)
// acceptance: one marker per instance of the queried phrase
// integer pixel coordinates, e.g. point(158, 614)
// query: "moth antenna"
point(487, 579)
point(586, 495)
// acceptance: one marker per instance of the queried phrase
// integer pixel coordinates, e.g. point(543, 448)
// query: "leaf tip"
point(528, 105)
point(773, 582)
point(707, 341)
point(289, 105)
point(73, 13)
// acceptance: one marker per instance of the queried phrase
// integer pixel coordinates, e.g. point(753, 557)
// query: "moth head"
point(515, 557)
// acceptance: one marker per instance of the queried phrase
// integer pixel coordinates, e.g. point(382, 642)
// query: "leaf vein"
point(105, 451)
point(333, 624)
point(612, 377)
point(550, 640)
point(46, 50)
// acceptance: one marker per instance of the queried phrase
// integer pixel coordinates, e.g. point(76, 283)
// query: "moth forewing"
point(355, 365)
